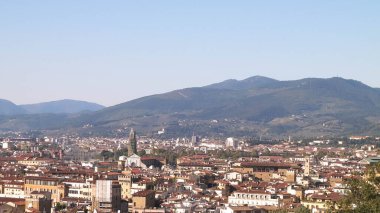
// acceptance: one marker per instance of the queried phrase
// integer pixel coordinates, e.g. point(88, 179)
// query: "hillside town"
point(139, 174)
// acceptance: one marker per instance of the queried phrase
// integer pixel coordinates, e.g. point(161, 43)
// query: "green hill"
point(254, 106)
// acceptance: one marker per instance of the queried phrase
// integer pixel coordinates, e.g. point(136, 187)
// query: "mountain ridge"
point(64, 106)
point(253, 106)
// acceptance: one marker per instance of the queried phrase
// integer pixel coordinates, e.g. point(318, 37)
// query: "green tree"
point(141, 153)
point(302, 209)
point(364, 195)
point(106, 154)
point(59, 207)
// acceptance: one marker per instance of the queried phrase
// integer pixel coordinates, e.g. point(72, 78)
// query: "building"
point(269, 170)
point(370, 161)
point(231, 143)
point(40, 201)
point(241, 209)
point(132, 145)
point(307, 167)
point(253, 198)
point(143, 200)
point(125, 180)
point(195, 140)
point(78, 189)
point(13, 189)
point(134, 161)
point(322, 202)
point(107, 196)
point(45, 184)
point(12, 205)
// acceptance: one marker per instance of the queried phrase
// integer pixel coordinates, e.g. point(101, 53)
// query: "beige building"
point(143, 200)
point(39, 201)
point(45, 184)
point(125, 180)
point(34, 161)
point(13, 189)
point(321, 202)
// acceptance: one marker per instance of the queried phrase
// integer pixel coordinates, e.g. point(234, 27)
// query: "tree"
point(121, 152)
point(364, 195)
point(302, 209)
point(59, 207)
point(107, 154)
point(141, 153)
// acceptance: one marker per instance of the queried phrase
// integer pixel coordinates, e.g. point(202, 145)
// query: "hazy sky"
point(113, 51)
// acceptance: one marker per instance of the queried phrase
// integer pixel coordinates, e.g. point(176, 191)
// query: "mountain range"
point(66, 106)
point(256, 106)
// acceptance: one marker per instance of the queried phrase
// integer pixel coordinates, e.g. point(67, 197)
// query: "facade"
point(79, 189)
point(125, 180)
point(267, 171)
point(134, 161)
point(108, 196)
point(233, 176)
point(13, 189)
point(143, 200)
point(307, 167)
point(231, 143)
point(132, 145)
point(253, 198)
point(40, 201)
point(321, 202)
point(241, 209)
point(45, 184)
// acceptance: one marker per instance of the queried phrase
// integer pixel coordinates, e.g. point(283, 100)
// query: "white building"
point(107, 196)
point(231, 142)
point(253, 198)
point(236, 209)
point(134, 161)
point(5, 145)
point(231, 176)
point(79, 189)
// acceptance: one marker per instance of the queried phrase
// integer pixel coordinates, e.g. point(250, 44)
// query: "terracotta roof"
point(143, 193)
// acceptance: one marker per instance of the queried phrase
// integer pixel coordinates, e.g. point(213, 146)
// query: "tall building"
point(107, 196)
point(307, 167)
point(231, 143)
point(194, 140)
point(132, 145)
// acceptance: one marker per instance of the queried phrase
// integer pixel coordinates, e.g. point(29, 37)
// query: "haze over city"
point(111, 52)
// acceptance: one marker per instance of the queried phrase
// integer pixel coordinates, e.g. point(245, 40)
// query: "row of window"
point(42, 182)
point(248, 202)
point(29, 190)
point(248, 196)
point(76, 192)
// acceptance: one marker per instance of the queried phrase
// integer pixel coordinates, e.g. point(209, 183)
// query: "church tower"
point(307, 167)
point(132, 145)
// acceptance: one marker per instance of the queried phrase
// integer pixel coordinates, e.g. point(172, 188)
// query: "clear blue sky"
point(113, 51)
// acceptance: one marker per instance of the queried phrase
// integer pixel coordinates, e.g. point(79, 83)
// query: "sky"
point(110, 52)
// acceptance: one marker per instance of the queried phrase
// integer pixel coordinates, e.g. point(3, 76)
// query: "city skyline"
point(115, 52)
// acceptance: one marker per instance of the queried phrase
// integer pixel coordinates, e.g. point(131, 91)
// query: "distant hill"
point(62, 106)
point(249, 83)
point(257, 106)
point(266, 106)
point(9, 108)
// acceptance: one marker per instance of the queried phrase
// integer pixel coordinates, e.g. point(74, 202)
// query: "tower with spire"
point(132, 143)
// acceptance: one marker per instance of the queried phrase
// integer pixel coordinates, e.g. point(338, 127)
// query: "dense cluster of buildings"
point(80, 175)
